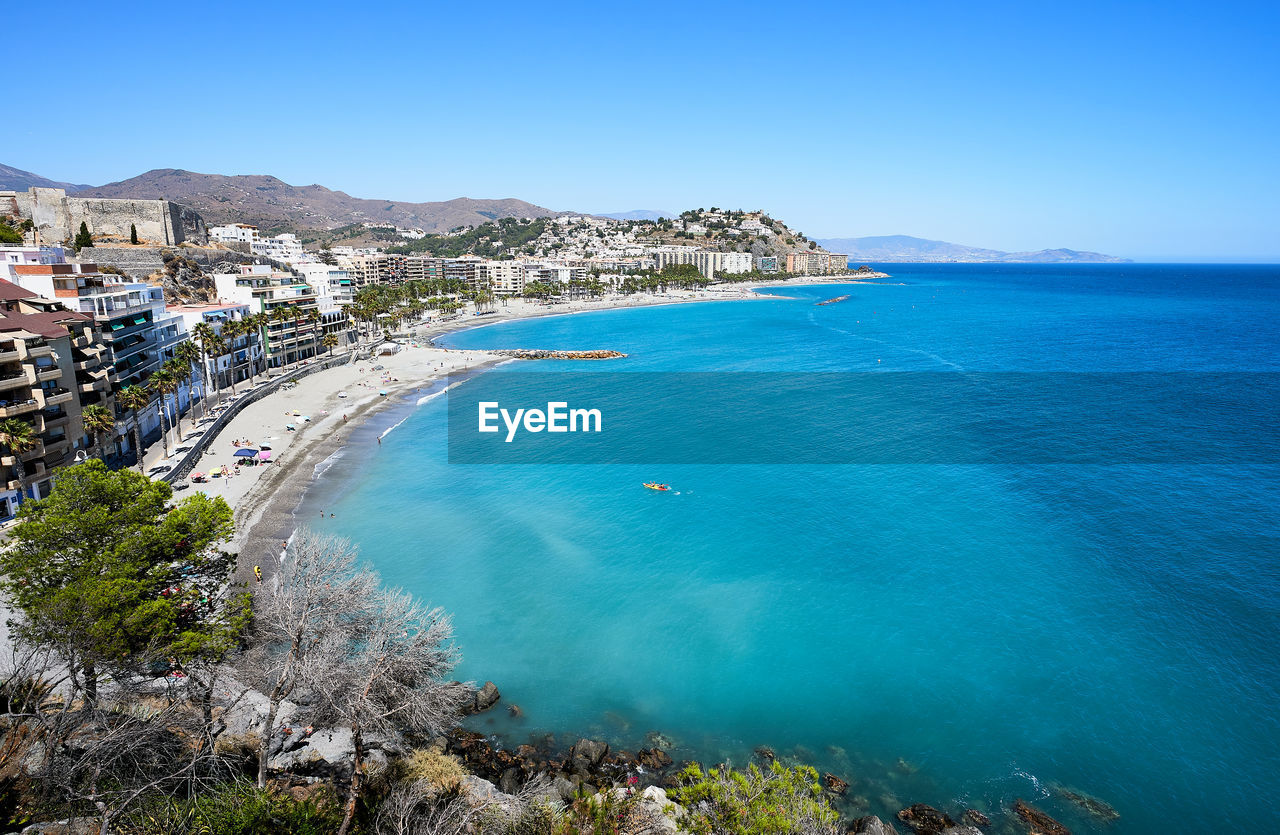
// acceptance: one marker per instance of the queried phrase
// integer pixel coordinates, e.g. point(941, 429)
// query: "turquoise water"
point(958, 634)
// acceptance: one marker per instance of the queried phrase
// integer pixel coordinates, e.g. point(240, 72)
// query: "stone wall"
point(58, 217)
point(141, 261)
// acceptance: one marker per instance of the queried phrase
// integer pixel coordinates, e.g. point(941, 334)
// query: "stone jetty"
point(543, 354)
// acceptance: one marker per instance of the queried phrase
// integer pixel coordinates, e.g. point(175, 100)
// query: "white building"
point(244, 354)
point(286, 248)
point(241, 233)
point(334, 286)
point(708, 262)
point(296, 336)
point(506, 278)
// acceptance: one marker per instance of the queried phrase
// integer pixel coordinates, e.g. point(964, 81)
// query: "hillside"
point(907, 248)
point(274, 205)
point(15, 179)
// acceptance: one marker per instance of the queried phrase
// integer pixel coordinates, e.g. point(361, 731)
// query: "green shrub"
point(236, 809)
point(776, 801)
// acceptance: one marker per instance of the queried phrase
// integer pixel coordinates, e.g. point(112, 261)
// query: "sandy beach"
point(325, 406)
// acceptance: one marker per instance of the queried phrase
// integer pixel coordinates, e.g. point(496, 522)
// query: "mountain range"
point(906, 248)
point(275, 206)
point(639, 214)
point(15, 179)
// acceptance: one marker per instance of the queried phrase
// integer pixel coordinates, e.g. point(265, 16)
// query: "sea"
point(963, 628)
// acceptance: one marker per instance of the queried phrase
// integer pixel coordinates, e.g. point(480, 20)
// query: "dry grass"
point(443, 771)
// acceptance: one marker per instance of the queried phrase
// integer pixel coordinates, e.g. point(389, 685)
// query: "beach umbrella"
point(245, 453)
point(264, 455)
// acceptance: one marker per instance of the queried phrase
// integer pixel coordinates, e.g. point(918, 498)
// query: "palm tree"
point(162, 382)
point(279, 316)
point(330, 341)
point(192, 358)
point(135, 399)
point(181, 373)
point(232, 329)
point(98, 421)
point(204, 334)
point(313, 316)
point(21, 438)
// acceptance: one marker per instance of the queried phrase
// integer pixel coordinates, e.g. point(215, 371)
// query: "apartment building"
point(767, 264)
point(506, 278)
point(708, 262)
point(290, 339)
point(468, 268)
point(816, 263)
point(285, 248)
point(238, 233)
point(52, 364)
point(379, 268)
point(136, 325)
point(243, 356)
point(136, 328)
point(334, 285)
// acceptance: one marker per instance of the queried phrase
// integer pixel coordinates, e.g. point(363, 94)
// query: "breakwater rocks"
point(543, 354)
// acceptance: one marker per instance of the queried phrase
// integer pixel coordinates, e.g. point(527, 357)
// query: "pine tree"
point(133, 234)
point(83, 238)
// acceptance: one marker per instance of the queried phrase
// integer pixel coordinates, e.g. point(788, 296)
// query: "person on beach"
point(257, 572)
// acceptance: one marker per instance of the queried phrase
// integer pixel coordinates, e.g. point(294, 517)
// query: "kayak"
point(653, 485)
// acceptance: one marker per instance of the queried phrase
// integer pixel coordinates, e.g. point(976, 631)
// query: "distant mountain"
point(15, 179)
point(274, 205)
point(907, 248)
point(639, 214)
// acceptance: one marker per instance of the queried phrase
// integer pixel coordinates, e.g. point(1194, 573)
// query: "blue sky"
point(1142, 129)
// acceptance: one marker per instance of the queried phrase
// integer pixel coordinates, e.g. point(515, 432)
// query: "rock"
point(515, 712)
point(765, 753)
point(1038, 822)
point(925, 820)
point(70, 826)
point(962, 829)
point(657, 740)
point(977, 817)
point(834, 783)
point(485, 698)
point(654, 759)
point(564, 787)
point(586, 754)
point(1099, 809)
point(509, 782)
point(872, 825)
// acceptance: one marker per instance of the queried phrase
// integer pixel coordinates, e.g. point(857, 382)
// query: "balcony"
point(48, 374)
point(33, 454)
point(51, 420)
point(14, 381)
point(12, 408)
point(9, 354)
point(54, 397)
point(58, 447)
point(87, 386)
point(37, 350)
